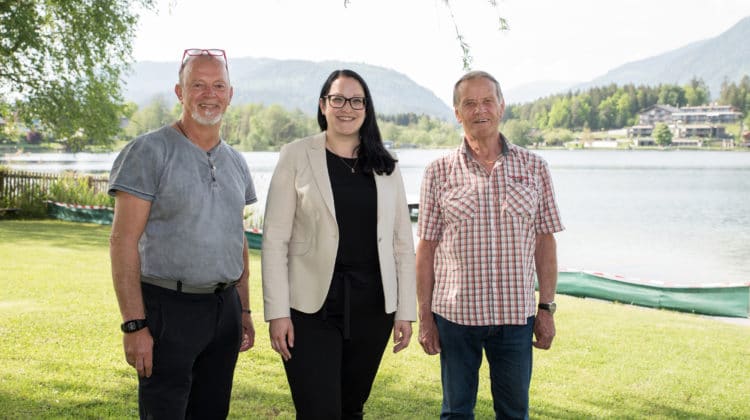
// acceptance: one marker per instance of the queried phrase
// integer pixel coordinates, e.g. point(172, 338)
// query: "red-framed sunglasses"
point(213, 52)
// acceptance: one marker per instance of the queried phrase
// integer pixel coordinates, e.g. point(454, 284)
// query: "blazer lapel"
point(316, 153)
point(381, 185)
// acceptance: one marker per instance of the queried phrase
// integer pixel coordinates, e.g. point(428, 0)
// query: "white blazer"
point(300, 235)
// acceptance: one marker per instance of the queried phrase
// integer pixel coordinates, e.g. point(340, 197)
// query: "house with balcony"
point(640, 130)
point(705, 131)
point(691, 122)
point(723, 114)
point(656, 114)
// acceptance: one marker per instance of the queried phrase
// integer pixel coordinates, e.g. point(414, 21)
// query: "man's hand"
point(428, 335)
point(248, 332)
point(139, 351)
point(544, 329)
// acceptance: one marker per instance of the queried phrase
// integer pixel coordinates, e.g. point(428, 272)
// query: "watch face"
point(133, 325)
point(551, 307)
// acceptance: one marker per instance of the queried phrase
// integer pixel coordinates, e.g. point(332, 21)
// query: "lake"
point(672, 216)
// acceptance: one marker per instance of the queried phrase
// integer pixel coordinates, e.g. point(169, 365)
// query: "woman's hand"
point(401, 335)
point(281, 331)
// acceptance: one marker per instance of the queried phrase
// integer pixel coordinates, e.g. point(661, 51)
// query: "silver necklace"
point(352, 167)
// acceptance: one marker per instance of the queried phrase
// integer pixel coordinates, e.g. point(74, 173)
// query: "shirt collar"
point(504, 146)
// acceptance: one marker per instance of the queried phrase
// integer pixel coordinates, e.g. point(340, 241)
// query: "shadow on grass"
point(257, 402)
point(54, 232)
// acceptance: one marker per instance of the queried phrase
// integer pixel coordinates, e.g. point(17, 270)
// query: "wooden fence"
point(14, 183)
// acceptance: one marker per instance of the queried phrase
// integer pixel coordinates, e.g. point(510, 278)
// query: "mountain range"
point(295, 84)
point(724, 57)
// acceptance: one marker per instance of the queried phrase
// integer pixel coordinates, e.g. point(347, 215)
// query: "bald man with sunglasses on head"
point(179, 253)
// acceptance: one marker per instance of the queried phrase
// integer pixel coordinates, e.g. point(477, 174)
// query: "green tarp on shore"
point(76, 213)
point(732, 300)
point(104, 215)
point(254, 239)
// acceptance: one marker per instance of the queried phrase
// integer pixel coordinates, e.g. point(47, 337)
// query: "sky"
point(548, 40)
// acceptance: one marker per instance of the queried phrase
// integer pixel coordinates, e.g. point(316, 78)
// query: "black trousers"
point(338, 349)
point(196, 343)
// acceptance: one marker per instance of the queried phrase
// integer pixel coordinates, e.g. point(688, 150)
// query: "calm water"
point(676, 216)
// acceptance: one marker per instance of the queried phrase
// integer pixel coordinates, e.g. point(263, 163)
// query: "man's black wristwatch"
point(133, 325)
point(550, 307)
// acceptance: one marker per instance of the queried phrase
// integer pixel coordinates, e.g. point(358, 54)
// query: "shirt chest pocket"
point(459, 204)
point(522, 200)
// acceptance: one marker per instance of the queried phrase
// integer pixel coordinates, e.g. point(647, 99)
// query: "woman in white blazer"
point(338, 255)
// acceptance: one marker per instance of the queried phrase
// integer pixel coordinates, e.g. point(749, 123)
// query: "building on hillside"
point(725, 114)
point(701, 130)
point(644, 141)
point(656, 114)
point(680, 141)
point(641, 131)
point(691, 122)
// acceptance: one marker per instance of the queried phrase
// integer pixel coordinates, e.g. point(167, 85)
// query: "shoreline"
point(6, 150)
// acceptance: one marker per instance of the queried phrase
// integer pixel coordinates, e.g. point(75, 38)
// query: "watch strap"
point(133, 325)
point(551, 307)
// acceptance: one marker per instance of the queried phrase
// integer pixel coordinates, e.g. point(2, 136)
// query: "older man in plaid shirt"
point(487, 219)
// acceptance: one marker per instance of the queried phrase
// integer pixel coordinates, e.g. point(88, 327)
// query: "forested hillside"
point(293, 84)
point(725, 57)
point(613, 106)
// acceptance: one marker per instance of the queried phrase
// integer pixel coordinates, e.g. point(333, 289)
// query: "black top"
point(355, 200)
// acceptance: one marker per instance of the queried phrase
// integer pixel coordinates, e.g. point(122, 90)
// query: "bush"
point(67, 188)
point(78, 190)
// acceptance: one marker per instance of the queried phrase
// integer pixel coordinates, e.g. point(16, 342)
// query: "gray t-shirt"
point(194, 232)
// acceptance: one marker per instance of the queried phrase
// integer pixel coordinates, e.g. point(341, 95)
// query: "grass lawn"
point(61, 351)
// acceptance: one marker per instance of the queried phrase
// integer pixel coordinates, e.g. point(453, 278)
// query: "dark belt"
point(178, 286)
point(349, 280)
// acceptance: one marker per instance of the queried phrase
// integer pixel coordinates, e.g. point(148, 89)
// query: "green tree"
point(156, 114)
point(737, 95)
point(662, 134)
point(519, 132)
point(608, 113)
point(624, 107)
point(62, 60)
point(559, 115)
point(672, 95)
point(581, 111)
point(696, 92)
point(557, 137)
point(272, 127)
point(235, 126)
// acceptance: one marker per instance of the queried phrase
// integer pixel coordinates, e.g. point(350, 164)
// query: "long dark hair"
point(371, 152)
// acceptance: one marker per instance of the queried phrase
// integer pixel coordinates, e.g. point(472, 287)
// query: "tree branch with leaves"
point(61, 62)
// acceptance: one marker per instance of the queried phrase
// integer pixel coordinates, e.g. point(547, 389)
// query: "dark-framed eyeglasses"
point(213, 52)
point(338, 101)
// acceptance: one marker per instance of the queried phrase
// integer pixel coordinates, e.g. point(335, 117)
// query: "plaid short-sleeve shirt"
point(486, 224)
